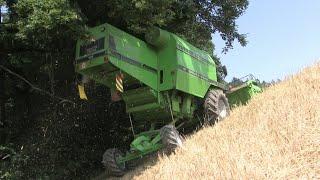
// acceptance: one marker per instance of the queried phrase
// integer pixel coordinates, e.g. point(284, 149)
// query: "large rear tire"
point(110, 162)
point(171, 138)
point(216, 106)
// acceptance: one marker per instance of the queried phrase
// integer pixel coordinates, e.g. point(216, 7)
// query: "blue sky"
point(283, 35)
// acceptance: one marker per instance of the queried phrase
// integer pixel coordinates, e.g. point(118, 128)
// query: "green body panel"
point(241, 94)
point(196, 69)
point(125, 52)
point(184, 67)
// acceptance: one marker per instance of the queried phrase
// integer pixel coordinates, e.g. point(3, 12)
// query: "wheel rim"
point(122, 166)
point(222, 109)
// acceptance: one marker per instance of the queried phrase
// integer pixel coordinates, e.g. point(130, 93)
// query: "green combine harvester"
point(166, 83)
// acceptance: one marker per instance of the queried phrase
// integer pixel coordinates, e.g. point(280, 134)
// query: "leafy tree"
point(235, 82)
point(42, 26)
point(195, 20)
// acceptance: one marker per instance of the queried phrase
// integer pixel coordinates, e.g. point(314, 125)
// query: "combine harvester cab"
point(165, 82)
point(242, 93)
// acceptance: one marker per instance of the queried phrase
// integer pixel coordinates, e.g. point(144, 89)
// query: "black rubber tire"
point(132, 164)
point(170, 138)
point(216, 106)
point(109, 162)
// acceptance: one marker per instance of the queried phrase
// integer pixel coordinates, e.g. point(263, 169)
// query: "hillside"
point(277, 135)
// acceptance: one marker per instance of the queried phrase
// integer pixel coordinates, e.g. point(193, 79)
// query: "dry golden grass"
point(276, 136)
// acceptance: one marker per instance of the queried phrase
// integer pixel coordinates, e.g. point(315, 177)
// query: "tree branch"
point(34, 87)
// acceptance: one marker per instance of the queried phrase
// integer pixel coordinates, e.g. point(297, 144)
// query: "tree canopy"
point(47, 23)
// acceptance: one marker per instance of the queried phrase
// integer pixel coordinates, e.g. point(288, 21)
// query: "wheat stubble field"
point(276, 136)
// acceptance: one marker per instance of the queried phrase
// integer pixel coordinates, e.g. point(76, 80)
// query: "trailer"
point(240, 94)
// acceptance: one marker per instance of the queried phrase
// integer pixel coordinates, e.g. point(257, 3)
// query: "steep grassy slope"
point(277, 135)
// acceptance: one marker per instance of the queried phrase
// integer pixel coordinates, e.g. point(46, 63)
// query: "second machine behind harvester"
point(166, 83)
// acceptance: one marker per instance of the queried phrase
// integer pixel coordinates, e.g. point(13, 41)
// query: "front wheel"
point(170, 137)
point(109, 160)
point(216, 106)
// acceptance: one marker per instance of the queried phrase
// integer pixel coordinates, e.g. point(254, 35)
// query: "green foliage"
point(236, 82)
point(195, 20)
point(11, 163)
point(47, 24)
point(263, 84)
